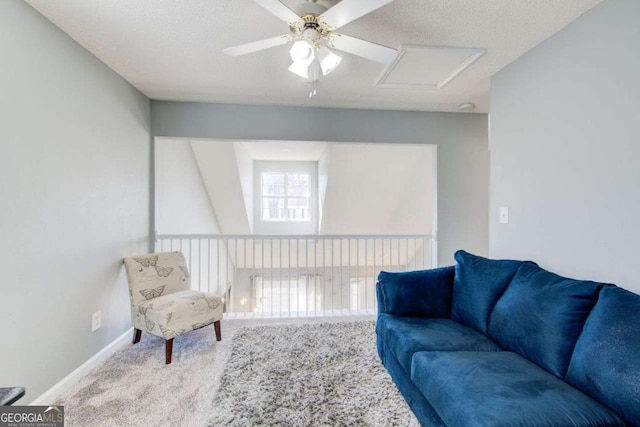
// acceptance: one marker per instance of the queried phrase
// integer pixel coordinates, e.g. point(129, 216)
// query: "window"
point(285, 197)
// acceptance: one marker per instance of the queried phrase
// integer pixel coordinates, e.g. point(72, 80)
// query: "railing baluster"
point(280, 271)
point(341, 280)
point(349, 273)
point(306, 275)
point(375, 269)
point(232, 292)
point(424, 253)
point(227, 288)
point(315, 277)
point(208, 265)
point(190, 261)
point(333, 278)
point(366, 276)
point(298, 276)
point(254, 291)
point(289, 278)
point(324, 276)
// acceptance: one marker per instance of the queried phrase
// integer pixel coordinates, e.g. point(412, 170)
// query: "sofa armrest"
point(425, 293)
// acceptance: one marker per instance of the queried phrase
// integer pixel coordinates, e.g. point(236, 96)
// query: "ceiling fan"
point(313, 35)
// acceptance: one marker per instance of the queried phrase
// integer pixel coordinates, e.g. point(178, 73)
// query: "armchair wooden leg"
point(216, 326)
point(169, 349)
point(137, 333)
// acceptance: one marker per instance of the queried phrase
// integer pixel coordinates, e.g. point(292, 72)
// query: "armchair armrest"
point(425, 293)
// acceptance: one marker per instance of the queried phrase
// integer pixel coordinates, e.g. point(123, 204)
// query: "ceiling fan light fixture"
point(300, 69)
point(329, 61)
point(302, 53)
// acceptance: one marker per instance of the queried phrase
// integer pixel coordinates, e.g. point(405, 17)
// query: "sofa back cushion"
point(606, 360)
point(478, 284)
point(541, 315)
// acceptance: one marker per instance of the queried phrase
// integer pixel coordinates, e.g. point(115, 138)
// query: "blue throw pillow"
point(606, 360)
point(479, 282)
point(425, 293)
point(541, 315)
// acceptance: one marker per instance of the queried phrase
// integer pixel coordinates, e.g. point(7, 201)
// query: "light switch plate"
point(96, 321)
point(504, 215)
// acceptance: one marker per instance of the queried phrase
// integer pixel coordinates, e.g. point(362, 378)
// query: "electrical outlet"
point(96, 321)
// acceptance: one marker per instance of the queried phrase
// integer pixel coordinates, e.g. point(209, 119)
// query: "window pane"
point(273, 184)
point(273, 209)
point(298, 184)
point(298, 209)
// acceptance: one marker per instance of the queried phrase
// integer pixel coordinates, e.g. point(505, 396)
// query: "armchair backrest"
point(153, 275)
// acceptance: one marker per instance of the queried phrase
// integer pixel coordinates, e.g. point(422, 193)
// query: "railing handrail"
point(293, 236)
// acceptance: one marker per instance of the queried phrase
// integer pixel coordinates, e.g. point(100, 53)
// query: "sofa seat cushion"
point(502, 389)
point(174, 314)
point(541, 315)
point(405, 336)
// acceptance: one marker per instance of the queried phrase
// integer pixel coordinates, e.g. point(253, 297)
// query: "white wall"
point(565, 149)
point(74, 185)
point(182, 203)
point(461, 139)
point(379, 189)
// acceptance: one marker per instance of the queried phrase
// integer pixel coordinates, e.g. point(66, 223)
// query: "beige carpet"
point(136, 388)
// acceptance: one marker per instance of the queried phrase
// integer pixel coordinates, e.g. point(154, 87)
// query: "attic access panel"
point(432, 67)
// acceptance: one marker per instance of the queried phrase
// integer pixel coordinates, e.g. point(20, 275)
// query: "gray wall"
point(74, 185)
point(565, 148)
point(461, 140)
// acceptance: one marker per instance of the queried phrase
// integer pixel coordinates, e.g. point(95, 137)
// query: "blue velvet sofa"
point(506, 343)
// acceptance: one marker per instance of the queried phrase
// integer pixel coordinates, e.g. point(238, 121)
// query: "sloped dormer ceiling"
point(221, 176)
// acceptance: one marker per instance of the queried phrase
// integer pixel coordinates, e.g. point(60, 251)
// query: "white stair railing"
point(297, 275)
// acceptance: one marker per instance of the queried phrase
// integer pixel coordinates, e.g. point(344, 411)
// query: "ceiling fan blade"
point(350, 10)
point(363, 48)
point(279, 10)
point(243, 49)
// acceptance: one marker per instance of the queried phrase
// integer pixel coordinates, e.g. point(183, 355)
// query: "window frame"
point(286, 197)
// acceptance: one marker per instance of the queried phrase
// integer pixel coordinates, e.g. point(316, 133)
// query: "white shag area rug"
point(135, 388)
point(324, 374)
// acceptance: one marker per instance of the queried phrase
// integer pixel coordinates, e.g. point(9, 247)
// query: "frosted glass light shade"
point(300, 69)
point(329, 61)
point(301, 52)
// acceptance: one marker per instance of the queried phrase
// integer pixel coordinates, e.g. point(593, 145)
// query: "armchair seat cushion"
point(174, 314)
point(502, 389)
point(406, 336)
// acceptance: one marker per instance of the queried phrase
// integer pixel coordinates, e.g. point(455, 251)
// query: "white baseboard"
point(49, 396)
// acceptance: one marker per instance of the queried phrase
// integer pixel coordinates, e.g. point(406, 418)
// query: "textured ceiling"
point(172, 50)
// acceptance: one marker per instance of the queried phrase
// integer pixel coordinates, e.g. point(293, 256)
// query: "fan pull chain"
point(314, 91)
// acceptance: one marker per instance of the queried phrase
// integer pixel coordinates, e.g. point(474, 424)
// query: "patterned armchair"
point(162, 302)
